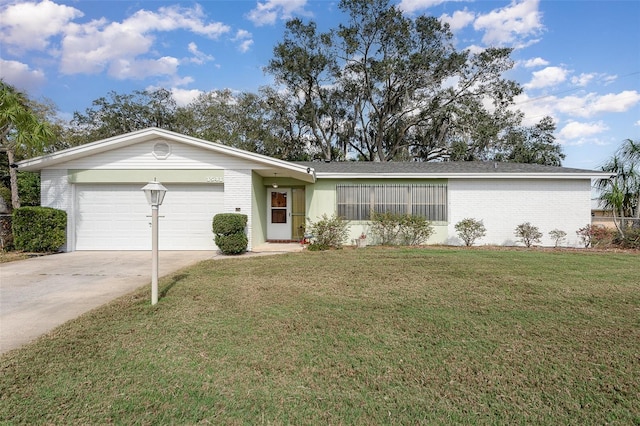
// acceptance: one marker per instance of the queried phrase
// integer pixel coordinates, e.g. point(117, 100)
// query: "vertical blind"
point(357, 202)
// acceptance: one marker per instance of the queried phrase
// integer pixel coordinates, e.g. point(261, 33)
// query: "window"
point(357, 202)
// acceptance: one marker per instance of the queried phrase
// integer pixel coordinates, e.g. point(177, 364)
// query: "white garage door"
point(117, 217)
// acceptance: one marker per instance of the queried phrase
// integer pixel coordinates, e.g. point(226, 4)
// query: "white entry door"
point(279, 214)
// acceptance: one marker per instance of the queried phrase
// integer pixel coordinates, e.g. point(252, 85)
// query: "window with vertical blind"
point(357, 202)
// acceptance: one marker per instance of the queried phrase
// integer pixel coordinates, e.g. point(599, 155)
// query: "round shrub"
point(229, 230)
point(232, 243)
point(229, 223)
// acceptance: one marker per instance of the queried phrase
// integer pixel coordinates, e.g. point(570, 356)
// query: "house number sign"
point(215, 179)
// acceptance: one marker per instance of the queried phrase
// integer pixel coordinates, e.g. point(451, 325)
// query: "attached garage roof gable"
point(299, 171)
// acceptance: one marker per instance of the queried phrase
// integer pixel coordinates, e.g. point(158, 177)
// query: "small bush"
point(229, 223)
point(604, 237)
point(392, 228)
point(328, 232)
point(39, 229)
point(558, 236)
point(232, 243)
point(631, 239)
point(386, 227)
point(229, 232)
point(595, 236)
point(414, 230)
point(469, 230)
point(528, 234)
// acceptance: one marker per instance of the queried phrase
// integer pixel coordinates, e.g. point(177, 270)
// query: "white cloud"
point(172, 18)
point(511, 24)
point(198, 56)
point(117, 46)
point(244, 39)
point(180, 81)
point(592, 104)
point(141, 68)
point(30, 25)
point(91, 47)
point(270, 11)
point(21, 75)
point(535, 108)
point(616, 102)
point(585, 78)
point(575, 129)
point(245, 45)
point(475, 49)
point(459, 19)
point(185, 96)
point(583, 106)
point(573, 105)
point(546, 77)
point(535, 62)
point(410, 6)
point(637, 123)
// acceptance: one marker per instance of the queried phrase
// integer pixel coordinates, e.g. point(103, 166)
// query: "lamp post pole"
point(154, 254)
point(154, 191)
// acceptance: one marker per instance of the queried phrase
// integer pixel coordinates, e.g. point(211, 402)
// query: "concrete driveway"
point(38, 294)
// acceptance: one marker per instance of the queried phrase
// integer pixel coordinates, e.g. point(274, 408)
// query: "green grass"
point(374, 336)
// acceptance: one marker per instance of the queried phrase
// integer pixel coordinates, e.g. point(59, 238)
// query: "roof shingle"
point(447, 167)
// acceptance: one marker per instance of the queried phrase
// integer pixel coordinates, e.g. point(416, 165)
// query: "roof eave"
point(471, 175)
point(304, 173)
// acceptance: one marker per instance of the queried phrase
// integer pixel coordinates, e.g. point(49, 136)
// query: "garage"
point(117, 217)
point(99, 186)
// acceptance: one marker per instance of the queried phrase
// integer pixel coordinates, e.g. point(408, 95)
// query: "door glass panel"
point(278, 215)
point(278, 199)
point(278, 207)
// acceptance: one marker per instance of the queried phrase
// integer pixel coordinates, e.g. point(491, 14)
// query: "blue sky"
point(578, 61)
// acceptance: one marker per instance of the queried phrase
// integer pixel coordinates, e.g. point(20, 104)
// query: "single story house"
point(99, 186)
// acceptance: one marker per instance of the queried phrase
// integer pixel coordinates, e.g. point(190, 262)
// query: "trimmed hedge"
point(232, 243)
point(229, 231)
point(39, 229)
point(229, 223)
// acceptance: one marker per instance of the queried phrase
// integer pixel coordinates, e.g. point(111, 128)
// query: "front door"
point(279, 214)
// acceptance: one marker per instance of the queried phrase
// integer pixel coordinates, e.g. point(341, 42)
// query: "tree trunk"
point(13, 177)
point(635, 222)
point(618, 225)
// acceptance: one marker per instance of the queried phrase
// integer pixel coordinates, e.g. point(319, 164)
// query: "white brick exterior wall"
point(237, 195)
point(503, 204)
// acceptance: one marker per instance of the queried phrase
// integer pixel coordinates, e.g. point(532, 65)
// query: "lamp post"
point(154, 191)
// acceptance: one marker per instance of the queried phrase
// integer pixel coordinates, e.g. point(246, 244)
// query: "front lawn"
point(372, 336)
point(12, 256)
